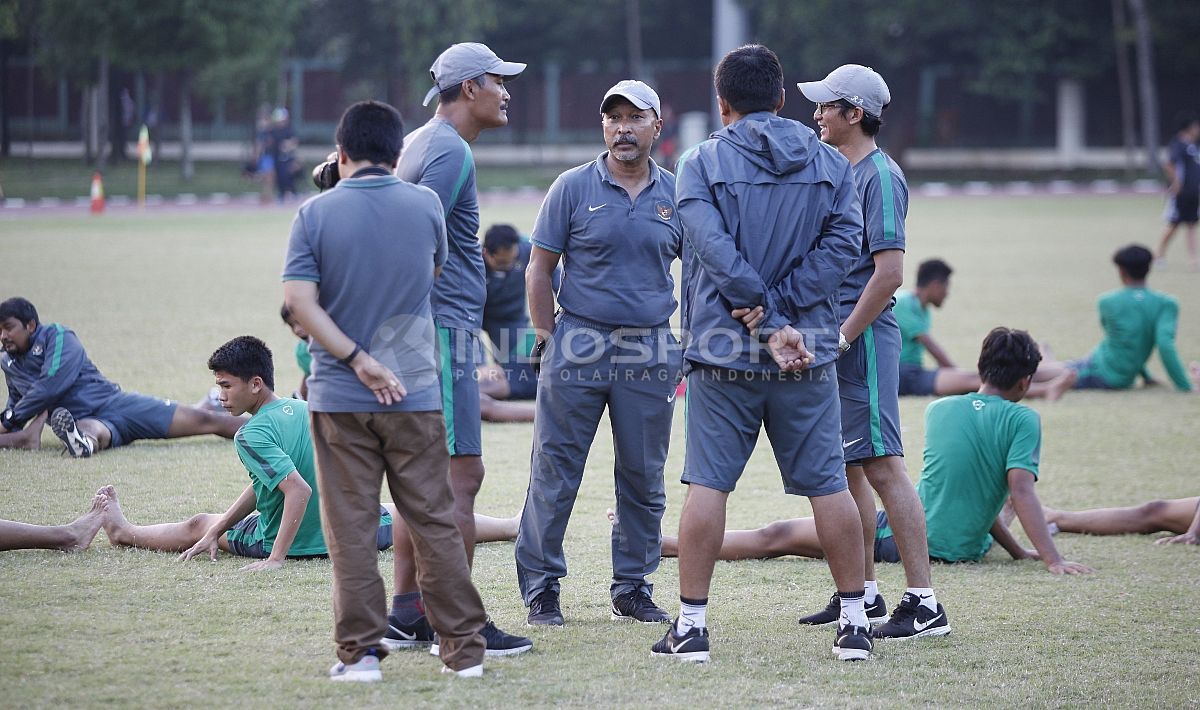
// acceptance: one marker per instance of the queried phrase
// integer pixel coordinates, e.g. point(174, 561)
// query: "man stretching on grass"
point(1136, 319)
point(278, 515)
point(980, 449)
point(912, 314)
point(49, 371)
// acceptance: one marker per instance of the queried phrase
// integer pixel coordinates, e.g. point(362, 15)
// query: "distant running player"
point(1182, 167)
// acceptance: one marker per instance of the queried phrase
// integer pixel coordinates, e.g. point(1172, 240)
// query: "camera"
point(325, 175)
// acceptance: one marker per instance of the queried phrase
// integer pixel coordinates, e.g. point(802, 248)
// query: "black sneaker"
point(692, 646)
point(503, 644)
point(63, 424)
point(498, 642)
point(636, 605)
point(852, 643)
point(911, 619)
point(544, 609)
point(876, 612)
point(415, 635)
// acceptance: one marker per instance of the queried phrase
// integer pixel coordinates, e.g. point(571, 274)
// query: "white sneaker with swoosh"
point(911, 619)
point(692, 646)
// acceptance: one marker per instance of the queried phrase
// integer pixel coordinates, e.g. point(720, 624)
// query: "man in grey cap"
point(612, 223)
point(469, 81)
point(850, 103)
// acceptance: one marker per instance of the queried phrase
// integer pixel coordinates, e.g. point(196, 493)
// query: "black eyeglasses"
point(823, 107)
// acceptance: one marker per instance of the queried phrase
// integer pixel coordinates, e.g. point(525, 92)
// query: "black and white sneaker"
point(636, 605)
point(692, 646)
point(400, 636)
point(498, 642)
point(63, 424)
point(876, 612)
point(852, 643)
point(544, 609)
point(911, 619)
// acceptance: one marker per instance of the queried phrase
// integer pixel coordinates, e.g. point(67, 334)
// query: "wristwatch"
point(843, 344)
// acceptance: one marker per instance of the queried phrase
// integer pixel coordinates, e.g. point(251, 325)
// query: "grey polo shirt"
point(437, 157)
point(884, 196)
point(616, 252)
point(371, 244)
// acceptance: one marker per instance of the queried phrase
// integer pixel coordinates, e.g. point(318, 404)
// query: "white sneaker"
point(472, 672)
point(365, 670)
point(63, 424)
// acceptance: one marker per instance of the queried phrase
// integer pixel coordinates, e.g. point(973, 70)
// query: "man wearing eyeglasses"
point(850, 104)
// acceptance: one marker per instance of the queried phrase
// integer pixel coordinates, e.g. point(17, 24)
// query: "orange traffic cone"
point(97, 194)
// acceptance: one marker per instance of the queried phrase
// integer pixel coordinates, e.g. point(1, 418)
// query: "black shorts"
point(1183, 208)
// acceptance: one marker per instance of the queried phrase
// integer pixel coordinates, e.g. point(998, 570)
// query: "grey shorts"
point(1086, 378)
point(458, 356)
point(868, 382)
point(801, 413)
point(130, 416)
point(916, 380)
point(242, 538)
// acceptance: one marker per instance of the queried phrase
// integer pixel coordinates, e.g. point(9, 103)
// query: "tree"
point(217, 48)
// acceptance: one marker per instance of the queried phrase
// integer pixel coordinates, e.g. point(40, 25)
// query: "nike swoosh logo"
point(921, 627)
point(593, 209)
point(848, 444)
point(675, 648)
point(671, 397)
point(403, 636)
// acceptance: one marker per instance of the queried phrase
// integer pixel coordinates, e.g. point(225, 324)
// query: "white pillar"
point(1071, 122)
point(730, 31)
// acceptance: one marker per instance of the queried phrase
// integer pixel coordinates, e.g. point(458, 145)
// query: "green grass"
point(151, 295)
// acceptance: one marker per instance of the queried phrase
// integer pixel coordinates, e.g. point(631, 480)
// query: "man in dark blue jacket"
point(772, 225)
point(48, 370)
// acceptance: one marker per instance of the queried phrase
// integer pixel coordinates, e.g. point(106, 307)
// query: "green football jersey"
point(971, 442)
point(913, 319)
point(1136, 320)
point(272, 444)
point(303, 357)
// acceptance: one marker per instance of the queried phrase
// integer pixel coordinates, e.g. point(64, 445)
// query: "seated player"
point(506, 385)
point(1180, 516)
point(1136, 319)
point(980, 450)
point(912, 315)
point(72, 537)
point(278, 515)
point(303, 358)
point(48, 370)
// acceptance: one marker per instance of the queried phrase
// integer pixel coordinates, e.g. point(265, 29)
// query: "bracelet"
point(350, 358)
point(843, 344)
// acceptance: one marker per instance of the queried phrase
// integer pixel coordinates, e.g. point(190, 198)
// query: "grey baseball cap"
point(861, 86)
point(467, 60)
point(635, 92)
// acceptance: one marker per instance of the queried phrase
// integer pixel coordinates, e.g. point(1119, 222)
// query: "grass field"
point(151, 295)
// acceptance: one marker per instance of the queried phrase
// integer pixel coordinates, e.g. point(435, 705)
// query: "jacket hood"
point(777, 145)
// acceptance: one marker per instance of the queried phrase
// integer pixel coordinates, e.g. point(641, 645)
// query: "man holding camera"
point(469, 82)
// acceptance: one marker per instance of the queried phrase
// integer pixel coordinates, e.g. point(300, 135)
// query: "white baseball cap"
point(861, 86)
point(467, 60)
point(635, 92)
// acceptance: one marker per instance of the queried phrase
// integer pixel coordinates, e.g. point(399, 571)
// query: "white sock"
point(853, 611)
point(870, 591)
point(690, 615)
point(925, 594)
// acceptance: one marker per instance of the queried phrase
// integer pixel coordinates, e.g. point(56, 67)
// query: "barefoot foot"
point(83, 530)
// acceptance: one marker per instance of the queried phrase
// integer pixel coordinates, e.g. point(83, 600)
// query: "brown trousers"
point(354, 452)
